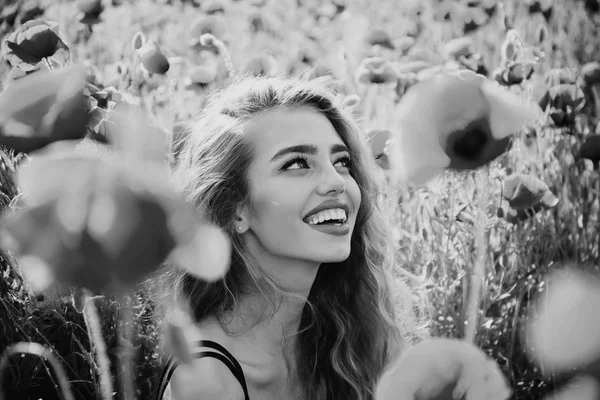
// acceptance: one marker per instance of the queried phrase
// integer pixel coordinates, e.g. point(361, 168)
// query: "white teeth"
point(336, 213)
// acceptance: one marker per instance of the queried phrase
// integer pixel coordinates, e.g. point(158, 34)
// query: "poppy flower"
point(440, 369)
point(564, 324)
point(514, 73)
point(474, 62)
point(472, 18)
point(201, 76)
point(590, 148)
point(590, 72)
point(404, 43)
point(379, 37)
point(544, 7)
point(563, 102)
point(9, 13)
point(377, 140)
point(557, 76)
point(376, 70)
point(90, 11)
point(32, 43)
point(463, 46)
point(211, 24)
point(104, 222)
point(525, 191)
point(459, 121)
point(592, 6)
point(211, 7)
point(42, 108)
point(262, 65)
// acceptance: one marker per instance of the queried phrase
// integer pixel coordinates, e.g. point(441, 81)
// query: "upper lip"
point(328, 205)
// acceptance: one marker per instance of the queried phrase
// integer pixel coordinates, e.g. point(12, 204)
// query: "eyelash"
point(302, 159)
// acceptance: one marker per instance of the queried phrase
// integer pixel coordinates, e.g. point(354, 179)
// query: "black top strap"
point(221, 354)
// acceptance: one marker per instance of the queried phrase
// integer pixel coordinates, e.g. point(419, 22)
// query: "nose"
point(331, 182)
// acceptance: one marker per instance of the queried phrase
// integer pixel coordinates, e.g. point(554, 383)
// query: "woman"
point(305, 310)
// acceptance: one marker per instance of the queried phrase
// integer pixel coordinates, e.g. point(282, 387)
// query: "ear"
point(243, 213)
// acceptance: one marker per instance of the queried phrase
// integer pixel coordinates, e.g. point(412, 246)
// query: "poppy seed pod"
point(456, 120)
point(153, 59)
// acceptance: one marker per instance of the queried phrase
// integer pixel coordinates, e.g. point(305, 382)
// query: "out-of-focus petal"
point(205, 253)
point(580, 388)
point(564, 327)
point(509, 112)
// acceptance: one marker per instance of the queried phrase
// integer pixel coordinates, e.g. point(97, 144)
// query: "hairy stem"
point(46, 355)
point(92, 321)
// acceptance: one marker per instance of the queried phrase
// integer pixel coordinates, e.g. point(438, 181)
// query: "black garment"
point(218, 352)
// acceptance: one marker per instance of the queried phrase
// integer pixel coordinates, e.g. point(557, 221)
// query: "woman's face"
point(287, 184)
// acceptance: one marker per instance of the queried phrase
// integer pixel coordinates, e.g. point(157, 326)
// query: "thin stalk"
point(48, 64)
point(126, 347)
point(46, 355)
point(92, 321)
point(479, 267)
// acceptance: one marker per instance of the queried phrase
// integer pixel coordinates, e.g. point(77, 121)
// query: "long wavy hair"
point(349, 329)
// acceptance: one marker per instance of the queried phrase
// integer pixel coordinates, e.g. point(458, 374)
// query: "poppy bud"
point(153, 59)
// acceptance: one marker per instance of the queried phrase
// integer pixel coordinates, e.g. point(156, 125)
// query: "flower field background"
point(531, 211)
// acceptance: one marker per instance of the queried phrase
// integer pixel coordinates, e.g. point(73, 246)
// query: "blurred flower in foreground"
point(526, 195)
point(34, 42)
point(104, 219)
point(459, 121)
point(42, 108)
point(104, 222)
point(443, 369)
point(564, 326)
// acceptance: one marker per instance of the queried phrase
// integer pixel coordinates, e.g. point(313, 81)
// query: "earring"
point(240, 228)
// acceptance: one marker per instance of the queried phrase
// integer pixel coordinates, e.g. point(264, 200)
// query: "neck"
point(277, 326)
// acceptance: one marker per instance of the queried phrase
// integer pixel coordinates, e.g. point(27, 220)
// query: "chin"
point(336, 257)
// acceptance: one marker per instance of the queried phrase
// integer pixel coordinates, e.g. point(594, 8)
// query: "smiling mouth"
point(337, 228)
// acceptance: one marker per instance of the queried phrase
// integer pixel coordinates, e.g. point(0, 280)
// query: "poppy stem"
point(46, 355)
point(478, 268)
point(126, 347)
point(48, 64)
point(98, 346)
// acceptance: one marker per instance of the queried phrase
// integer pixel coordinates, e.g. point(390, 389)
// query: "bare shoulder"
point(206, 378)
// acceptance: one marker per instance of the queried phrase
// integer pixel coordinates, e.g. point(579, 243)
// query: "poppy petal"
point(509, 112)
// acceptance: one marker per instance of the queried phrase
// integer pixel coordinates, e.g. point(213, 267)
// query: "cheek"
point(354, 193)
point(275, 207)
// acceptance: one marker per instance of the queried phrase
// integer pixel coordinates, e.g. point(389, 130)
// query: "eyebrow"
point(307, 149)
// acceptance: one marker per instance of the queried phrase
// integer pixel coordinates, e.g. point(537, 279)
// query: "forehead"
point(283, 127)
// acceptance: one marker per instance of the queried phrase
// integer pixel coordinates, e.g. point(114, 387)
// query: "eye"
point(300, 160)
point(346, 163)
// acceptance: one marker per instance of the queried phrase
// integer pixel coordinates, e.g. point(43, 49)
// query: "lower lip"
point(338, 230)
